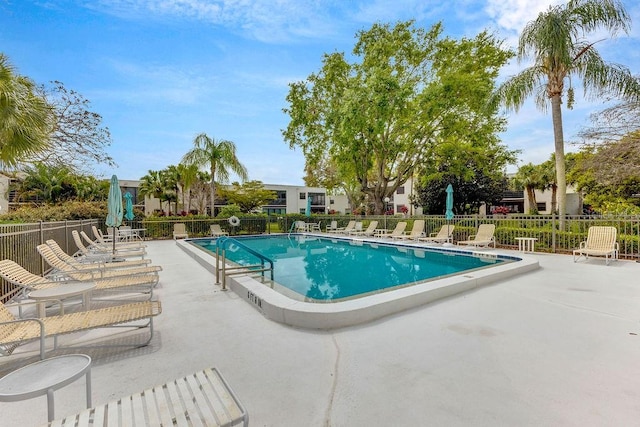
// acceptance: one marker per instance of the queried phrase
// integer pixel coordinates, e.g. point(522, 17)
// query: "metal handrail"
point(221, 248)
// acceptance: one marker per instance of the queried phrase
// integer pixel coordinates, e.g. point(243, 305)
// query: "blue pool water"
point(328, 270)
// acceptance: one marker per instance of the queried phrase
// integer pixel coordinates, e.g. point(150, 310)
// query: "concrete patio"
point(557, 346)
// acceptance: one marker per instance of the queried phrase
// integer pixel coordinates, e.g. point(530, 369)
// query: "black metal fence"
point(18, 241)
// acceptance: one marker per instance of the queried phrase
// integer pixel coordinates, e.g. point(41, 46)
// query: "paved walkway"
point(556, 347)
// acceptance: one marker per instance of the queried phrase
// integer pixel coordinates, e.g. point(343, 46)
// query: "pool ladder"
point(222, 245)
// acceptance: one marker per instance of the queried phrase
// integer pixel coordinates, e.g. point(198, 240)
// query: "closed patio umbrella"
point(114, 208)
point(448, 214)
point(128, 206)
point(307, 212)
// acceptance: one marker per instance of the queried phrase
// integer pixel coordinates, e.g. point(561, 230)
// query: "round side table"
point(61, 292)
point(44, 377)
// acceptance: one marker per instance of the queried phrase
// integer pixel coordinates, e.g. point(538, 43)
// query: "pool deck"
point(556, 346)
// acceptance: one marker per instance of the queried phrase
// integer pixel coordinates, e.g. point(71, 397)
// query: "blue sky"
point(161, 71)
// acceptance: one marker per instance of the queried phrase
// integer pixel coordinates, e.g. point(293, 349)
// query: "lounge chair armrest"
point(42, 331)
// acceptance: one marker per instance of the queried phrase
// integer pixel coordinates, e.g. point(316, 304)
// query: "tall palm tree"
point(549, 180)
point(556, 41)
point(219, 156)
point(151, 185)
point(25, 118)
point(529, 177)
point(169, 178)
point(187, 175)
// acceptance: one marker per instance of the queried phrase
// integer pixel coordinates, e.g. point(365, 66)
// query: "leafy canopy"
point(370, 124)
point(248, 196)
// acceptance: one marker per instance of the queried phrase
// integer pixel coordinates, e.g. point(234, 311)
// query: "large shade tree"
point(249, 196)
point(77, 138)
point(221, 159)
point(370, 124)
point(556, 41)
point(25, 117)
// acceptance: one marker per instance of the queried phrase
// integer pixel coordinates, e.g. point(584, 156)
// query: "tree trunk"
point(533, 203)
point(213, 191)
point(558, 137)
point(554, 198)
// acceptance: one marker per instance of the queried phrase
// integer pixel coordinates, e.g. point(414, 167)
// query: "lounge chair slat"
point(98, 416)
point(176, 405)
point(126, 417)
point(154, 413)
point(188, 391)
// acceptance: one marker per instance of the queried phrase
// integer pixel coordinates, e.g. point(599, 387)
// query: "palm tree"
point(549, 180)
point(556, 42)
point(169, 179)
point(219, 156)
point(51, 184)
point(151, 185)
point(186, 175)
point(529, 177)
point(25, 117)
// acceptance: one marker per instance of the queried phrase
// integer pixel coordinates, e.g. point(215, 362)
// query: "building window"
point(274, 211)
point(400, 190)
point(303, 196)
point(542, 206)
point(317, 199)
point(303, 211)
point(280, 200)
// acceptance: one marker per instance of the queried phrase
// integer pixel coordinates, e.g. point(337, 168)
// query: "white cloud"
point(142, 83)
point(513, 15)
point(264, 20)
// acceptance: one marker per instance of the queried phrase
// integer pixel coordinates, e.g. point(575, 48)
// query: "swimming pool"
point(317, 269)
point(280, 304)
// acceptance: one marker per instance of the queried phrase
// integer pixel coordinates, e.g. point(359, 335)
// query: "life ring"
point(234, 221)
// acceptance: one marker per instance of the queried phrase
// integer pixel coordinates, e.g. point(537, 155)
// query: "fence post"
point(638, 241)
point(66, 235)
point(553, 232)
point(42, 266)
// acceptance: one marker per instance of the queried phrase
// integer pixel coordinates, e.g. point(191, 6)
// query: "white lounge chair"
point(202, 398)
point(416, 231)
point(370, 230)
point(89, 272)
point(299, 227)
point(483, 237)
point(397, 231)
point(444, 235)
point(17, 331)
point(332, 227)
point(357, 227)
point(217, 231)
point(349, 226)
point(120, 245)
point(601, 241)
point(180, 231)
point(105, 252)
point(93, 263)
